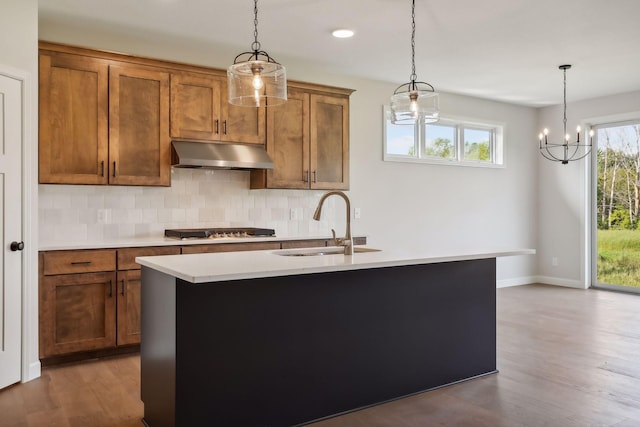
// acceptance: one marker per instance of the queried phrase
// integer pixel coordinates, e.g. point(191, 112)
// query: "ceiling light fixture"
point(255, 79)
point(567, 151)
point(342, 33)
point(414, 102)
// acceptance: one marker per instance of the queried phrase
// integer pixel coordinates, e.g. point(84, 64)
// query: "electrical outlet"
point(293, 214)
point(554, 261)
point(357, 213)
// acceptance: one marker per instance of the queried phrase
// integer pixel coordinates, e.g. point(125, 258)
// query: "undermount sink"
point(323, 251)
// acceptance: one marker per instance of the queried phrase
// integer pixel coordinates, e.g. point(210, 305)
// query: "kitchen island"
point(281, 338)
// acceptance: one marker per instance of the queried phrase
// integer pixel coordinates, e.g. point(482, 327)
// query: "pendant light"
point(414, 102)
point(566, 151)
point(255, 79)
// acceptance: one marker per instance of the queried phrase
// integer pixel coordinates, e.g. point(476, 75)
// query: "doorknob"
point(17, 246)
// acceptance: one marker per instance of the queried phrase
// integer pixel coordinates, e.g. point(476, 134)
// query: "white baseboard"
point(33, 371)
point(560, 282)
point(516, 281)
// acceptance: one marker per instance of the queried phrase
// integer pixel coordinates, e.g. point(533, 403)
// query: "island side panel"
point(292, 349)
point(158, 348)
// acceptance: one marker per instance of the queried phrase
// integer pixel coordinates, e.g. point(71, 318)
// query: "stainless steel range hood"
point(190, 154)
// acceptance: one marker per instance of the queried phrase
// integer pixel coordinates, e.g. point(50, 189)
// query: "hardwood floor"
point(566, 357)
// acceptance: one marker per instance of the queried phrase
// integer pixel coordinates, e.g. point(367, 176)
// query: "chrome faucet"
point(347, 242)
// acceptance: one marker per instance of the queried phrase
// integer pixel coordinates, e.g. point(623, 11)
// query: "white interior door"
point(10, 230)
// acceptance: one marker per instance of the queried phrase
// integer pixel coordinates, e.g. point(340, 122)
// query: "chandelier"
point(414, 102)
point(256, 79)
point(566, 151)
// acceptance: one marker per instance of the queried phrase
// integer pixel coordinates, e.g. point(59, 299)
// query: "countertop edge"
point(309, 266)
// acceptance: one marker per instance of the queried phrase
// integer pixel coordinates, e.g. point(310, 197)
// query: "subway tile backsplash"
point(197, 198)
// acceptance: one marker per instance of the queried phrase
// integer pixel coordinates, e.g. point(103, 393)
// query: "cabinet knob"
point(16, 246)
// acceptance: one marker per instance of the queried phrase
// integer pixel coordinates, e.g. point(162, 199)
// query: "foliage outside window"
point(618, 203)
point(453, 142)
point(618, 175)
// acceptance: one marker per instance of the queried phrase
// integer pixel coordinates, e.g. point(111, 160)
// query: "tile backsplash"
point(197, 198)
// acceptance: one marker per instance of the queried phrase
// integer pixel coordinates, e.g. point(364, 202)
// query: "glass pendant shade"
point(255, 79)
point(414, 102)
point(256, 82)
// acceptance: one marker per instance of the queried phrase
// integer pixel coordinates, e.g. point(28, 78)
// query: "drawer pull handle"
point(224, 127)
point(315, 177)
point(306, 176)
point(114, 169)
point(122, 290)
point(102, 168)
point(217, 126)
point(81, 263)
point(110, 288)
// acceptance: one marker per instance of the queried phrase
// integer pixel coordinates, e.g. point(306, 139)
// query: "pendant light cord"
point(256, 44)
point(413, 76)
point(565, 103)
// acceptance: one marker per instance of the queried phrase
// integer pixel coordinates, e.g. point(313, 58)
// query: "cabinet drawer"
point(230, 247)
point(85, 261)
point(127, 257)
point(294, 244)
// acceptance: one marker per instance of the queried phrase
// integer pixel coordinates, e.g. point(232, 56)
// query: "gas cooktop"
point(212, 233)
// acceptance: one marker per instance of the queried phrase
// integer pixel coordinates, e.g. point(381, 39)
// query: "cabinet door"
point(78, 313)
point(329, 142)
point(241, 124)
point(139, 142)
point(73, 119)
point(195, 106)
point(128, 307)
point(288, 142)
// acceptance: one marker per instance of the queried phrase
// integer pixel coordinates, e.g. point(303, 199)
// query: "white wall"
point(402, 204)
point(564, 191)
point(19, 51)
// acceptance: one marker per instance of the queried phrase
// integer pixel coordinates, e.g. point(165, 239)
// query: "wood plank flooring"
point(566, 357)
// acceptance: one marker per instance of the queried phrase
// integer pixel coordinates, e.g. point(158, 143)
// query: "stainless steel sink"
point(323, 251)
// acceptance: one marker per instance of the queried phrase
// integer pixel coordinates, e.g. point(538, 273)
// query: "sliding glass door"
point(617, 223)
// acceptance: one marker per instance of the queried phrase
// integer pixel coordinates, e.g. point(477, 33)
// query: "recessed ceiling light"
point(342, 33)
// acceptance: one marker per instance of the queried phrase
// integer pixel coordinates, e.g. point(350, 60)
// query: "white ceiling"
point(506, 50)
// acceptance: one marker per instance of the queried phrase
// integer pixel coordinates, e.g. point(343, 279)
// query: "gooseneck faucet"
point(347, 242)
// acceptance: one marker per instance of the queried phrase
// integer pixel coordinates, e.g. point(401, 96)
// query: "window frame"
point(496, 143)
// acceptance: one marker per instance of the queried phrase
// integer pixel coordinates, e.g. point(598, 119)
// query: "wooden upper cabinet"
point(329, 142)
point(73, 119)
point(139, 141)
point(200, 111)
point(102, 121)
point(195, 106)
point(308, 140)
point(288, 142)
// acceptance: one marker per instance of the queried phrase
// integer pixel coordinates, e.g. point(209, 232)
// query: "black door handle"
point(17, 246)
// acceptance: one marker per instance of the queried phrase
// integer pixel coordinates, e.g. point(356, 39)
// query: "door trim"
point(591, 247)
point(31, 367)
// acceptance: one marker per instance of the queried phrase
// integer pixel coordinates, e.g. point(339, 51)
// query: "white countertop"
point(134, 242)
point(218, 267)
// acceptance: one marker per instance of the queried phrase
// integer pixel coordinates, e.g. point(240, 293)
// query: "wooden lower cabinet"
point(128, 314)
point(90, 299)
point(85, 304)
point(77, 313)
point(230, 247)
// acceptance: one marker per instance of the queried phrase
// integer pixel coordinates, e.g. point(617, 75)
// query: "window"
point(448, 141)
